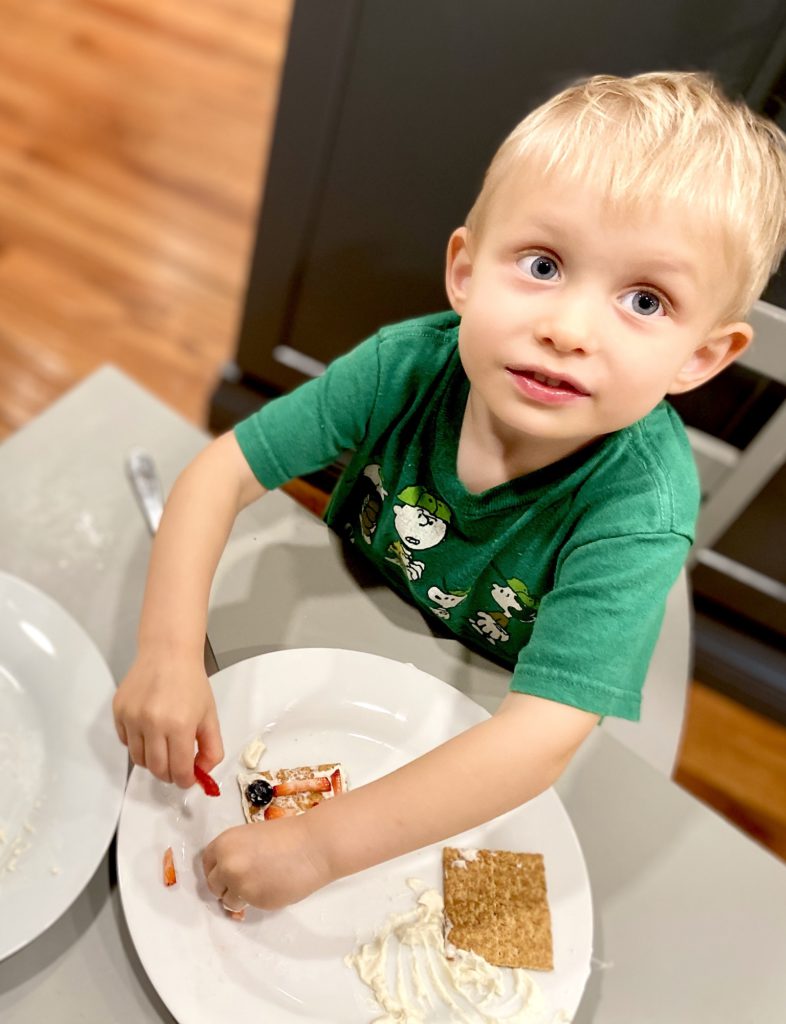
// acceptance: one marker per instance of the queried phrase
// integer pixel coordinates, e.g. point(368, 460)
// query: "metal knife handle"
point(146, 486)
point(142, 474)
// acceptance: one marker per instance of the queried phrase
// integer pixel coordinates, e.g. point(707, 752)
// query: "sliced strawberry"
point(318, 785)
point(207, 782)
point(335, 782)
point(276, 811)
point(170, 876)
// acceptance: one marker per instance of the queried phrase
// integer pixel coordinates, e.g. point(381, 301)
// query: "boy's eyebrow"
point(669, 265)
point(642, 266)
point(659, 264)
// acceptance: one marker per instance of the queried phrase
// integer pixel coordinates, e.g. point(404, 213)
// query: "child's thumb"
point(210, 749)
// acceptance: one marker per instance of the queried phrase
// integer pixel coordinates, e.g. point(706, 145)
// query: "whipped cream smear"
point(406, 967)
point(252, 754)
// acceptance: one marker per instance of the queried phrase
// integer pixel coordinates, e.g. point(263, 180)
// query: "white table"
point(689, 913)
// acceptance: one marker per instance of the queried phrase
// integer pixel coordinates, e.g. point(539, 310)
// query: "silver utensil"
point(143, 477)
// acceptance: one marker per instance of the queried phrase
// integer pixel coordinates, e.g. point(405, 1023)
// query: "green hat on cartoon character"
point(419, 497)
point(522, 593)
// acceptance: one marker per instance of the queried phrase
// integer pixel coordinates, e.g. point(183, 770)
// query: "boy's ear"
point(720, 348)
point(458, 268)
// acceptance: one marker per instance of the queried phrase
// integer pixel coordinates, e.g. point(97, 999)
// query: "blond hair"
point(664, 137)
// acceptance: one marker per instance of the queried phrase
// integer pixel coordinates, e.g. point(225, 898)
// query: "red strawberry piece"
point(207, 782)
point(170, 876)
point(318, 785)
point(335, 782)
point(276, 811)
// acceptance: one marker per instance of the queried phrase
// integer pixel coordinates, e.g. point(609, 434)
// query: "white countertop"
point(689, 921)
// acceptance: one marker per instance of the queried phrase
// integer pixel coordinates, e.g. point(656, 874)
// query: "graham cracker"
point(496, 905)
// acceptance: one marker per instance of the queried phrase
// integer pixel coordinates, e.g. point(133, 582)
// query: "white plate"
point(315, 706)
point(63, 770)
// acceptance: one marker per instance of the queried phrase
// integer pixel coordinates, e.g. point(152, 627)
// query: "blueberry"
point(259, 793)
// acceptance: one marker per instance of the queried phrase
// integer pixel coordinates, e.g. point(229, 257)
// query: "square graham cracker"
point(496, 906)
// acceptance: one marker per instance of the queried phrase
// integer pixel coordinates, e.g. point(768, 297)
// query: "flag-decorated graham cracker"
point(279, 793)
point(496, 906)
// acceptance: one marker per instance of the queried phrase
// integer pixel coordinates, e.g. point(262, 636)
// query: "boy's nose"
point(568, 325)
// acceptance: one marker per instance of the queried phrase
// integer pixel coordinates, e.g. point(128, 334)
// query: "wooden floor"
point(133, 140)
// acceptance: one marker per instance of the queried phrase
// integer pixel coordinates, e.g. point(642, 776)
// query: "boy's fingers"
point(136, 748)
point(157, 758)
point(234, 904)
point(121, 732)
point(117, 718)
point(211, 749)
point(215, 882)
point(208, 859)
point(181, 760)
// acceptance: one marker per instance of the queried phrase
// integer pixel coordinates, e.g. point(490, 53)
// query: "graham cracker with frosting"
point(496, 905)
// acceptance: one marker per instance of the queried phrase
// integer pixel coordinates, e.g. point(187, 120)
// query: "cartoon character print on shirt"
point(421, 522)
point(514, 601)
point(371, 504)
point(445, 600)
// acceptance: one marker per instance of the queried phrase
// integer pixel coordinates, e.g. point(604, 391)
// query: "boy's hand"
point(162, 709)
point(266, 864)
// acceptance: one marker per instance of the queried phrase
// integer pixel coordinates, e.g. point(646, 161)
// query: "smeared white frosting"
point(253, 752)
point(414, 982)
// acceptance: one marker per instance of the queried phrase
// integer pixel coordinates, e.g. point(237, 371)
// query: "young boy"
point(516, 474)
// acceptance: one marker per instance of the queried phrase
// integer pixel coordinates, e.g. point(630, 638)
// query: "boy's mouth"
point(543, 388)
point(557, 384)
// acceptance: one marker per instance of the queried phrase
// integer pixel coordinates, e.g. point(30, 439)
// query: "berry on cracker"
point(287, 791)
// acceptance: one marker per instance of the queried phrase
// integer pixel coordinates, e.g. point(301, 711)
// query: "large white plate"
point(315, 706)
point(63, 770)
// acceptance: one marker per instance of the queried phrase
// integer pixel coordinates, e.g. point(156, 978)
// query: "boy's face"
point(578, 319)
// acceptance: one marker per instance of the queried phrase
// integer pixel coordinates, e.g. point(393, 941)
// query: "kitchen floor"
point(133, 143)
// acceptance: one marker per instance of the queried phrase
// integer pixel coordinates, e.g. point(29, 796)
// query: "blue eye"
point(539, 266)
point(644, 303)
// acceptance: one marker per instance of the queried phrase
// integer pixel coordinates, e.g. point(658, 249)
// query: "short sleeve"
point(596, 630)
point(312, 425)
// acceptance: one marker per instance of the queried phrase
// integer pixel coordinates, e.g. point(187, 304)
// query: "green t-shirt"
point(562, 573)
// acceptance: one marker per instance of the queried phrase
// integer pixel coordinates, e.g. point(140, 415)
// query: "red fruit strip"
point(274, 811)
point(207, 782)
point(335, 782)
point(319, 785)
point(170, 877)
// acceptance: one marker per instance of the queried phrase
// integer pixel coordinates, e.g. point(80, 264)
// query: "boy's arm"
point(479, 774)
point(491, 768)
point(165, 702)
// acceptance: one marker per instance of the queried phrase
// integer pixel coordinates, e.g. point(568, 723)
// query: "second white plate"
point(313, 706)
point(63, 768)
